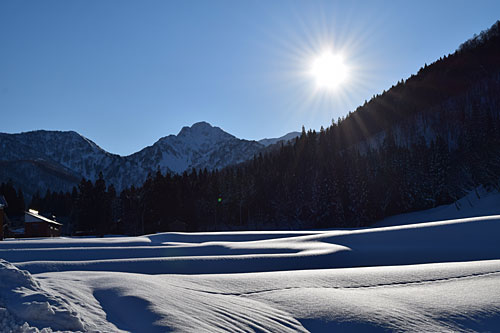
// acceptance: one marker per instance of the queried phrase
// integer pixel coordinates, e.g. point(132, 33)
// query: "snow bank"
point(240, 236)
point(25, 300)
point(8, 324)
point(435, 277)
point(477, 203)
point(451, 297)
point(66, 242)
point(446, 241)
point(154, 303)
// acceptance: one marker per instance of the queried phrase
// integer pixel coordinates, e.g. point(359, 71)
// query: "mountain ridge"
point(62, 157)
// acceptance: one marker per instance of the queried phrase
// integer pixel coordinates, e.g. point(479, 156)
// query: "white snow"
point(23, 298)
point(478, 202)
point(441, 276)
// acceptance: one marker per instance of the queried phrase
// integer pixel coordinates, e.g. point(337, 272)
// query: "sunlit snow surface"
point(432, 277)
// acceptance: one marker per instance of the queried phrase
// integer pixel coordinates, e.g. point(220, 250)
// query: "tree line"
point(313, 182)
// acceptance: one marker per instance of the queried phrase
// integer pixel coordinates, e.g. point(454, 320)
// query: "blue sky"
point(125, 73)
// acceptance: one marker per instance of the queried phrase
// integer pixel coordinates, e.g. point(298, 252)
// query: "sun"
point(329, 70)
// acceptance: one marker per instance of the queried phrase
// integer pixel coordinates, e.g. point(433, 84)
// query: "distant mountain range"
point(38, 160)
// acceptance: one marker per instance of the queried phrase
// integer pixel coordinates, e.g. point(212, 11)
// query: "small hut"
point(36, 225)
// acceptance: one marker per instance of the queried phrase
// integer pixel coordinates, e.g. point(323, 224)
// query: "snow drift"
point(25, 299)
point(434, 276)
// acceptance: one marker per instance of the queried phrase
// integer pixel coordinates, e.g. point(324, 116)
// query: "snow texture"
point(441, 276)
point(23, 299)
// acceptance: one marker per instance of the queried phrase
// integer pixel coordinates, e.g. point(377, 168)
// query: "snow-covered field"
point(436, 276)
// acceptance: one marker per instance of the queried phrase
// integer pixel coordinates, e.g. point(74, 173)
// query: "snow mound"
point(427, 277)
point(444, 297)
point(205, 253)
point(25, 300)
point(12, 277)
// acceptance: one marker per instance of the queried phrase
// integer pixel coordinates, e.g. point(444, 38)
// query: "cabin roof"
point(42, 218)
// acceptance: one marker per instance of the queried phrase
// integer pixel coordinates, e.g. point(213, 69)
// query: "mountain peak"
point(203, 129)
point(198, 127)
point(202, 124)
point(66, 156)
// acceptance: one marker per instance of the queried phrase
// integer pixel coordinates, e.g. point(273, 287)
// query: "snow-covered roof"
point(40, 217)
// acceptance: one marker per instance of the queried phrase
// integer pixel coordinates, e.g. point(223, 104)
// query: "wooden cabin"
point(36, 225)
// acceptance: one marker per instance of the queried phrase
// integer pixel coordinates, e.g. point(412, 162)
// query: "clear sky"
point(125, 73)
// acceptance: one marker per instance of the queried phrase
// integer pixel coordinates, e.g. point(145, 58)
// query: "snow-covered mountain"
point(287, 137)
point(198, 146)
point(57, 160)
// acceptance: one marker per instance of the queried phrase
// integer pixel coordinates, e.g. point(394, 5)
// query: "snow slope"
point(478, 202)
point(434, 276)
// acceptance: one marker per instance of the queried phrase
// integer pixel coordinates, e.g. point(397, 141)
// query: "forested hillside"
point(424, 142)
